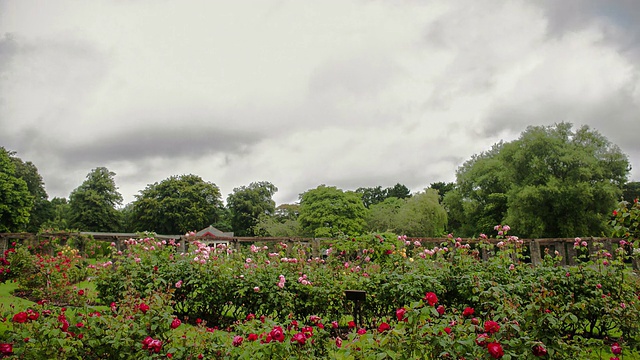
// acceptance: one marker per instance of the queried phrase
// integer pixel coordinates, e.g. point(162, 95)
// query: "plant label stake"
point(356, 296)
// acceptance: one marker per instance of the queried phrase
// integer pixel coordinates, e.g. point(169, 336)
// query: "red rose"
point(383, 327)
point(352, 324)
point(252, 337)
point(440, 309)
point(481, 339)
point(362, 331)
point(32, 315)
point(468, 311)
point(495, 350)
point(175, 323)
point(6, 349)
point(491, 326)
point(431, 298)
point(237, 340)
point(143, 307)
point(277, 333)
point(299, 338)
point(20, 317)
point(447, 330)
point(400, 313)
point(539, 350)
point(307, 331)
point(81, 292)
point(616, 349)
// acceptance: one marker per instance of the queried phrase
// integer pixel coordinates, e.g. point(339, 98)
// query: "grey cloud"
point(9, 47)
point(167, 142)
point(360, 76)
point(620, 20)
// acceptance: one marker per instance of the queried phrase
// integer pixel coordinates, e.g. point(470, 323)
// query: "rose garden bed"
point(281, 302)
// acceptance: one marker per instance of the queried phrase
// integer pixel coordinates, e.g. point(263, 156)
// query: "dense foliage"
point(327, 211)
point(41, 209)
point(247, 203)
point(176, 205)
point(15, 200)
point(376, 195)
point(93, 203)
point(282, 302)
point(551, 182)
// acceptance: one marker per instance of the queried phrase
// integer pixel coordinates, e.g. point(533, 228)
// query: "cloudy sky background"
point(303, 93)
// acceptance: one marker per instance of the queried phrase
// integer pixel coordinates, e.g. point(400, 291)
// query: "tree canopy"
point(422, 215)
point(93, 204)
point(327, 211)
point(15, 200)
point(247, 203)
point(376, 195)
point(177, 205)
point(383, 216)
point(631, 191)
point(550, 182)
point(41, 210)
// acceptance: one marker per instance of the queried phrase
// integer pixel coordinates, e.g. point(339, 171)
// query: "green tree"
point(127, 218)
point(631, 191)
point(479, 200)
point(422, 215)
point(398, 191)
point(60, 215)
point(442, 188)
point(372, 195)
point(284, 222)
point(550, 182)
point(15, 200)
point(327, 211)
point(287, 212)
point(41, 210)
point(383, 216)
point(247, 203)
point(177, 205)
point(93, 204)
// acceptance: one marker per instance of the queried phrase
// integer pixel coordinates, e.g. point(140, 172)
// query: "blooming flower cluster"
point(304, 280)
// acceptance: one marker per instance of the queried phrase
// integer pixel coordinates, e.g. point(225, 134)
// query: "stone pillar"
point(608, 246)
point(571, 255)
point(534, 249)
point(562, 250)
point(315, 248)
point(485, 254)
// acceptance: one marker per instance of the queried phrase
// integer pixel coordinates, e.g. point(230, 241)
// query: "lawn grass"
point(10, 303)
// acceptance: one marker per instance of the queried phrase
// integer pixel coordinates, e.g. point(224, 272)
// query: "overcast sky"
point(303, 93)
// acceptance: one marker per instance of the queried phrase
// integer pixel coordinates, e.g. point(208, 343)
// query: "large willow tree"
point(550, 182)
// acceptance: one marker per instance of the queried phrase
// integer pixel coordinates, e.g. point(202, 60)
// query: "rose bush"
point(279, 301)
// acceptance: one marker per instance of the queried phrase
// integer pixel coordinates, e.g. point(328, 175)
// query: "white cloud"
point(346, 93)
